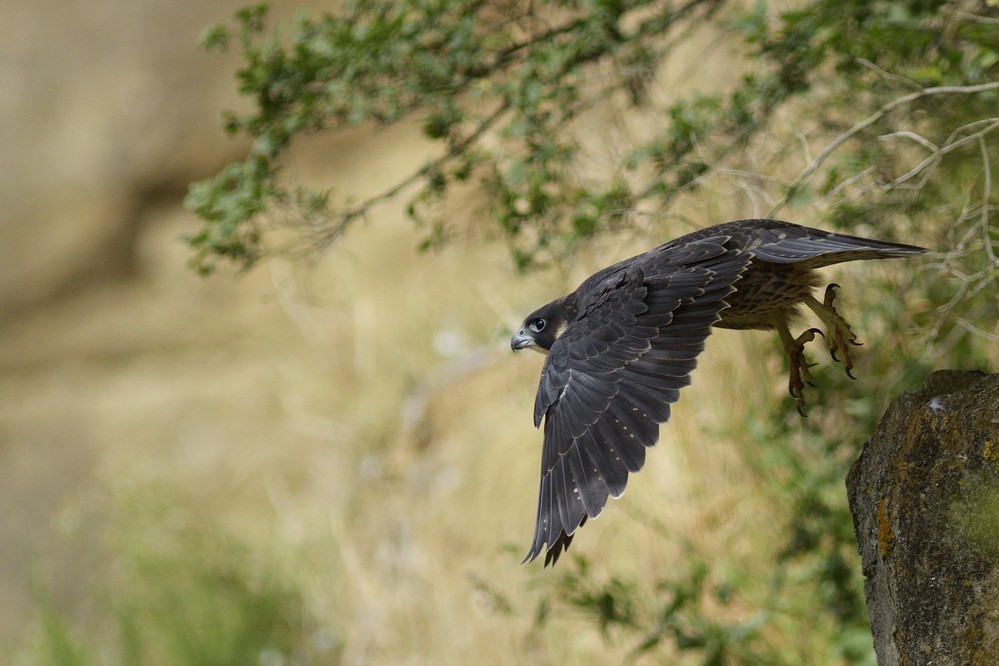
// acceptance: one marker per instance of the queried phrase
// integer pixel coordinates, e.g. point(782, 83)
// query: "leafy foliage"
point(672, 610)
point(904, 92)
point(520, 73)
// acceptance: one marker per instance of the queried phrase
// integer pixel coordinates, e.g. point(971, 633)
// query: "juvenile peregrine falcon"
point(621, 346)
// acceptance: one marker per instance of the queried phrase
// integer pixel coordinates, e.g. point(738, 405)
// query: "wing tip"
point(553, 550)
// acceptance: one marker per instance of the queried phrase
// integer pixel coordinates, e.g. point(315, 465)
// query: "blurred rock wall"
point(108, 108)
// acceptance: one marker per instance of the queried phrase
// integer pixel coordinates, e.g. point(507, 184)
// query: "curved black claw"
point(800, 374)
point(801, 410)
point(838, 335)
point(830, 295)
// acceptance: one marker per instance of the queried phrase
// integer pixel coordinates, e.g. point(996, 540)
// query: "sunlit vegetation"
point(566, 134)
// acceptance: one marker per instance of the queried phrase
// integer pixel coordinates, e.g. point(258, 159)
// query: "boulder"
point(924, 495)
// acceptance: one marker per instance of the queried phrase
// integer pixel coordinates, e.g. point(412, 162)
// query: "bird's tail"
point(792, 244)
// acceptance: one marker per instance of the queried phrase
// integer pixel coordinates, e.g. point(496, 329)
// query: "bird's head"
point(543, 326)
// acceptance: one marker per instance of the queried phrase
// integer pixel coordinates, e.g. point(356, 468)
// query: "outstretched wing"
point(609, 380)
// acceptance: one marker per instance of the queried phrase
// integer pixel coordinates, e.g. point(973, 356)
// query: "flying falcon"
point(621, 346)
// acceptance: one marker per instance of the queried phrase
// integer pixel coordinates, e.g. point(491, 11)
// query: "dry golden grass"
point(361, 427)
point(361, 430)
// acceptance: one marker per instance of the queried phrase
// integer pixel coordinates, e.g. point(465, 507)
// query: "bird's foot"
point(800, 373)
point(839, 336)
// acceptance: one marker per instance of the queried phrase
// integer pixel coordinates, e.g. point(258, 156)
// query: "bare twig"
point(833, 146)
point(866, 173)
point(888, 75)
point(986, 197)
point(929, 165)
point(326, 235)
point(975, 18)
point(971, 328)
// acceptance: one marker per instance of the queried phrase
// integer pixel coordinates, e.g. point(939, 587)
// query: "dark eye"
point(537, 325)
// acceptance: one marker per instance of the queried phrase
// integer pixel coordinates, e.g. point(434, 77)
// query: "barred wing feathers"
point(609, 380)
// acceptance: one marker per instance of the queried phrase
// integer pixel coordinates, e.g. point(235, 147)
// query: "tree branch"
point(810, 170)
point(343, 219)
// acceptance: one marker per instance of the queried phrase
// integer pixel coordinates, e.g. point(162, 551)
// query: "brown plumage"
point(621, 346)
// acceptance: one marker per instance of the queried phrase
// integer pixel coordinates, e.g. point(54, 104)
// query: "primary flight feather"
point(621, 346)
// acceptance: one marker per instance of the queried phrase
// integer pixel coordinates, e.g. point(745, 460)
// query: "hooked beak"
point(521, 340)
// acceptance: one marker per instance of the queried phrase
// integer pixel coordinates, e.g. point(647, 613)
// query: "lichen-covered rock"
point(925, 501)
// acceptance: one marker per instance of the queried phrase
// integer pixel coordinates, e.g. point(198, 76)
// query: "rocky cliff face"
point(109, 108)
point(925, 501)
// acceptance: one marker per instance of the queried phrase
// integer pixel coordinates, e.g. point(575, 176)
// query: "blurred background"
point(326, 462)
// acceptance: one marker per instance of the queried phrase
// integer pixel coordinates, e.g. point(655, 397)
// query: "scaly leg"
point(795, 350)
point(838, 333)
